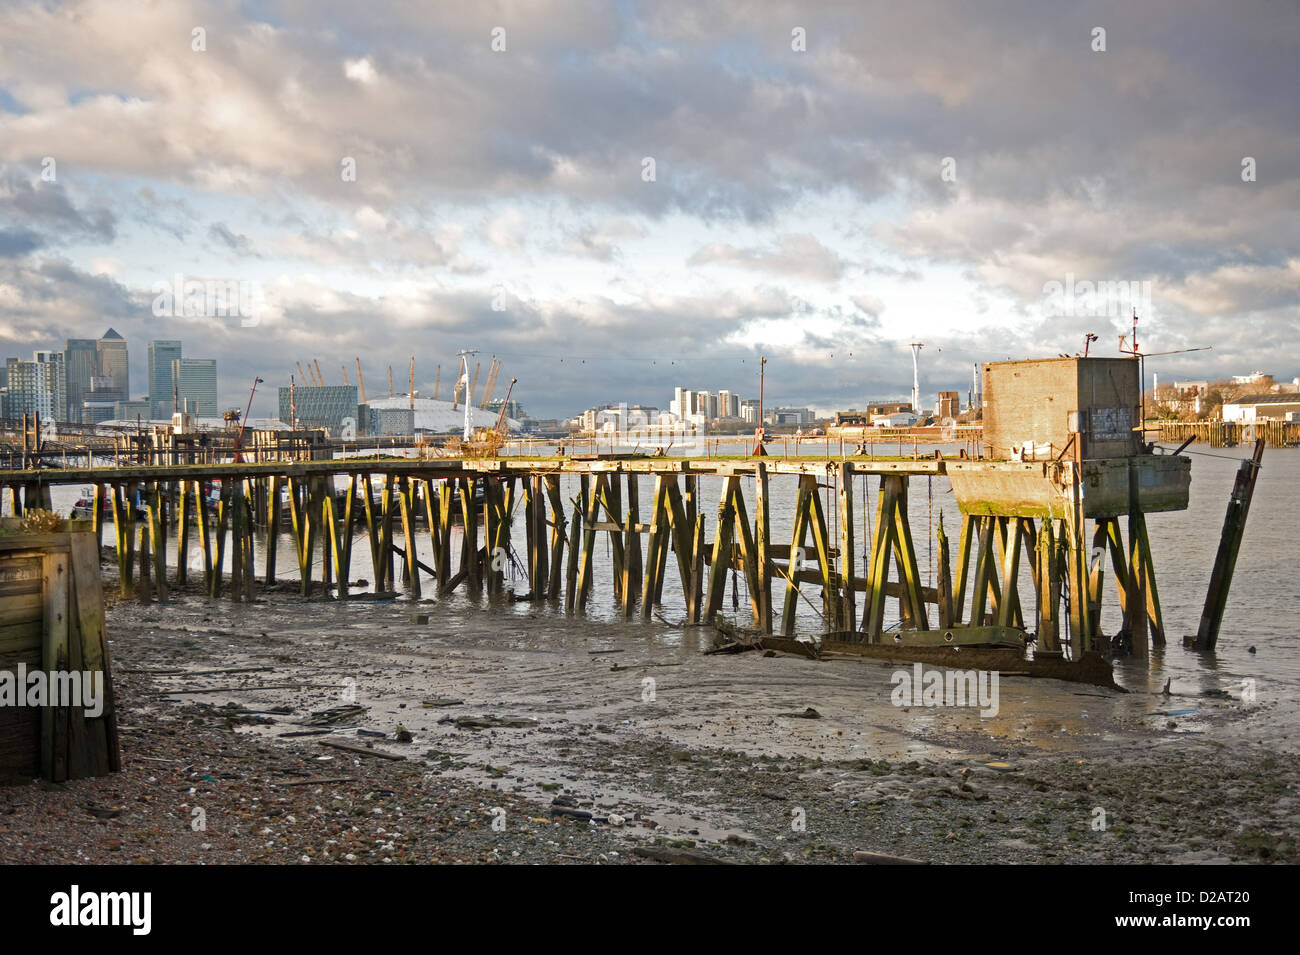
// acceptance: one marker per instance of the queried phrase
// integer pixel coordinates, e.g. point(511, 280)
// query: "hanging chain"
point(929, 537)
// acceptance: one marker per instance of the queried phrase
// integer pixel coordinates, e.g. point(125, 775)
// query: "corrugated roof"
point(1288, 397)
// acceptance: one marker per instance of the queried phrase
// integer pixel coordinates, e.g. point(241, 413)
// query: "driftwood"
point(319, 781)
point(880, 858)
point(333, 715)
point(360, 750)
point(731, 639)
point(678, 856)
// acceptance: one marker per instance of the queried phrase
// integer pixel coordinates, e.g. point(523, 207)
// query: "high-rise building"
point(749, 410)
point(161, 379)
point(39, 386)
point(949, 405)
point(196, 385)
point(319, 406)
point(81, 361)
point(112, 360)
point(728, 405)
point(99, 402)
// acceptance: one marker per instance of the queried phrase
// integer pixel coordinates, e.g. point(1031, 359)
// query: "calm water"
point(1262, 609)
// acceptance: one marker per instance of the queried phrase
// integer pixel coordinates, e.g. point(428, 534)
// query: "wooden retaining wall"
point(52, 621)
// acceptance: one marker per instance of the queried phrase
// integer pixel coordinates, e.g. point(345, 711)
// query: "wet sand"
point(548, 728)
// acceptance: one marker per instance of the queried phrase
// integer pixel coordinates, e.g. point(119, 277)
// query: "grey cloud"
point(798, 255)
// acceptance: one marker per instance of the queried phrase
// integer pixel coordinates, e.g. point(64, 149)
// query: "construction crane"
point(345, 374)
point(490, 388)
point(390, 381)
point(361, 382)
point(320, 379)
point(473, 389)
point(505, 404)
point(411, 390)
point(302, 374)
point(437, 381)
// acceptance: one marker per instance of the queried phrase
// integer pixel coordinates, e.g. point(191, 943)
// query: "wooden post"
point(183, 524)
point(535, 516)
point(469, 550)
point(273, 485)
point(695, 604)
point(946, 619)
point(611, 503)
point(238, 518)
point(848, 552)
point(224, 507)
point(1140, 633)
point(144, 583)
point(98, 513)
point(968, 531)
point(1009, 541)
point(54, 659)
point(123, 536)
point(372, 529)
point(202, 518)
point(763, 541)
point(681, 537)
point(807, 488)
point(881, 549)
point(490, 490)
point(748, 552)
point(557, 536)
point(1154, 619)
point(1049, 589)
point(654, 544)
point(589, 507)
point(333, 544)
point(632, 545)
point(984, 561)
point(405, 493)
point(905, 555)
point(629, 581)
point(821, 543)
point(721, 558)
point(250, 571)
point(571, 569)
point(386, 556)
point(1096, 574)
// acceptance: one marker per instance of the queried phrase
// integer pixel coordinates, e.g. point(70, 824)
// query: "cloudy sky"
point(620, 197)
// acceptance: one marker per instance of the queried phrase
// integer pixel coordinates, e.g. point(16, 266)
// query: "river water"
point(1262, 610)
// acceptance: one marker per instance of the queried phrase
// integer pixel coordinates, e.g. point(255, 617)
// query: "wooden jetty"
point(1066, 501)
point(855, 576)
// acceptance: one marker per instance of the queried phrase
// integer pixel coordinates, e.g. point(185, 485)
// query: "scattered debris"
point(880, 858)
point(808, 714)
point(335, 714)
point(359, 750)
point(491, 722)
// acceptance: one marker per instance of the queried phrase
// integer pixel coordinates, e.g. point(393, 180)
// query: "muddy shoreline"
point(541, 740)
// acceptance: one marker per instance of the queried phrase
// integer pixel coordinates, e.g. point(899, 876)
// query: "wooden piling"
point(1225, 558)
point(763, 543)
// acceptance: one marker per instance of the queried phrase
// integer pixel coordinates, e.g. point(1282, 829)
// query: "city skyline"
point(605, 196)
